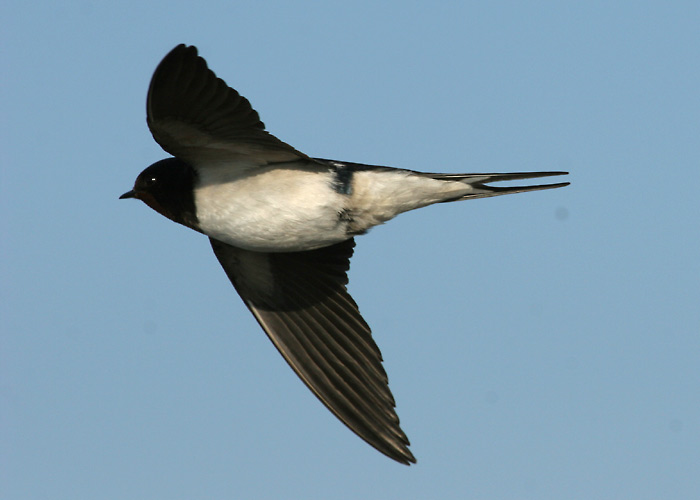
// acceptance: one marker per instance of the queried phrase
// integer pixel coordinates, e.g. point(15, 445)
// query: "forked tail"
point(478, 183)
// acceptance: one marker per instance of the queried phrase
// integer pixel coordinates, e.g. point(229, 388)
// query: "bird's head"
point(167, 187)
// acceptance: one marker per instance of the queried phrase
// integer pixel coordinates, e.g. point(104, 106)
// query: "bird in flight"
point(282, 224)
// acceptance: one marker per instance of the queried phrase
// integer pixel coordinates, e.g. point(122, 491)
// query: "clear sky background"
point(542, 345)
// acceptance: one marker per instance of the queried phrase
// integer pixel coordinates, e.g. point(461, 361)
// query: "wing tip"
point(407, 458)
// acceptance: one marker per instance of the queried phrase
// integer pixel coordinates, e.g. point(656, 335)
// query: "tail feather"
point(480, 189)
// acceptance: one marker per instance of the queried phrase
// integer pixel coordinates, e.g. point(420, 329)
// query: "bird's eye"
point(150, 181)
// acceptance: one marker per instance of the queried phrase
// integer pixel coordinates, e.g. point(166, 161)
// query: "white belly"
point(270, 209)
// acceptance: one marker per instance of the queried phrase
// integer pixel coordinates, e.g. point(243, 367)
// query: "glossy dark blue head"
point(167, 187)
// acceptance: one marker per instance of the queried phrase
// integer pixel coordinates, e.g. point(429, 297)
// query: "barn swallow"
point(282, 225)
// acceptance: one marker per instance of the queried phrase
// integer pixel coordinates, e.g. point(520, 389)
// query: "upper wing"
point(301, 302)
point(195, 116)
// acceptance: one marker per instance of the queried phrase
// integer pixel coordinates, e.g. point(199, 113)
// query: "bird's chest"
point(272, 211)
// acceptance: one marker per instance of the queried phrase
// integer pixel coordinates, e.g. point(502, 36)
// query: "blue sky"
point(542, 345)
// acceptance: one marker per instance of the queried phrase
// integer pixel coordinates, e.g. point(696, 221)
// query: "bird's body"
point(282, 225)
point(262, 212)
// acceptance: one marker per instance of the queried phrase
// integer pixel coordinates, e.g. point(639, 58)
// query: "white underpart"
point(380, 195)
point(275, 209)
point(269, 209)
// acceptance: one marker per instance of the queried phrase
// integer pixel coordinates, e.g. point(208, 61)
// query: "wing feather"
point(302, 304)
point(196, 117)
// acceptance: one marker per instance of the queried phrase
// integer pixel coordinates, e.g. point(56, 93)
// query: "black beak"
point(128, 194)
